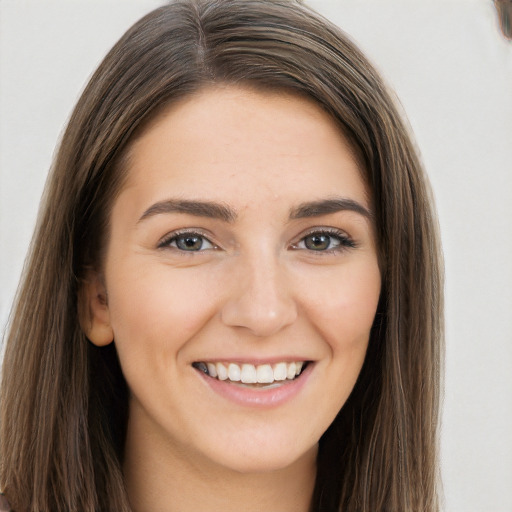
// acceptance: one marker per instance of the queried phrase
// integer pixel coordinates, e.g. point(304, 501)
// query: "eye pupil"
point(317, 242)
point(189, 242)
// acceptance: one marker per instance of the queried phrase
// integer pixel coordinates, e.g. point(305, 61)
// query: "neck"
point(165, 479)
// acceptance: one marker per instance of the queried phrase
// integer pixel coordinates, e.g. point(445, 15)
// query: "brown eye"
point(319, 242)
point(187, 242)
point(325, 241)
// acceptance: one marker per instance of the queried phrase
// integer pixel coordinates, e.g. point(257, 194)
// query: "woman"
point(233, 294)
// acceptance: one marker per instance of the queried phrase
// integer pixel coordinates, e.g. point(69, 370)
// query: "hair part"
point(64, 401)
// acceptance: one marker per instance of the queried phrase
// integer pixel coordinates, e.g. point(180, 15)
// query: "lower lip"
point(258, 397)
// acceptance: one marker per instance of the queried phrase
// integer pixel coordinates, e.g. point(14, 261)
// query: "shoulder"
point(4, 504)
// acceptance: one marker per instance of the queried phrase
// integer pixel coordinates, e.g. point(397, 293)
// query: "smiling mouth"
point(262, 375)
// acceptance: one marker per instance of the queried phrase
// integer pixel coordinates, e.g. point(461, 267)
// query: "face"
point(241, 278)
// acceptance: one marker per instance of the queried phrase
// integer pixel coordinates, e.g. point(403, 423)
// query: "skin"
point(254, 292)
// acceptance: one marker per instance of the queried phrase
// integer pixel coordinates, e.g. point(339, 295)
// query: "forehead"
point(243, 146)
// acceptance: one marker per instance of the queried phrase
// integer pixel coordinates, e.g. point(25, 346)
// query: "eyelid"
point(346, 241)
point(167, 239)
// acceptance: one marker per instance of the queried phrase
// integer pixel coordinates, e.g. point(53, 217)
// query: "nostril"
point(260, 320)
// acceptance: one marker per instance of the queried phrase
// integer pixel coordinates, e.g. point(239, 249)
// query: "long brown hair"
point(64, 401)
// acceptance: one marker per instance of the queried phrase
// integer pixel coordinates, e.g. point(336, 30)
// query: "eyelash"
point(344, 241)
point(167, 241)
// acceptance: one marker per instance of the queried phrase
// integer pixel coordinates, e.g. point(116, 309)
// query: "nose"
point(261, 299)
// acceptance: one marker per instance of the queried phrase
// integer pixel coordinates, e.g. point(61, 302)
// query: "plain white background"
point(451, 70)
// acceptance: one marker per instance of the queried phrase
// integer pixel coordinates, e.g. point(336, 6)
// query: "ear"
point(93, 310)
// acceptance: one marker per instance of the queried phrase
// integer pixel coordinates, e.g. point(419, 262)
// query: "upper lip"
point(253, 360)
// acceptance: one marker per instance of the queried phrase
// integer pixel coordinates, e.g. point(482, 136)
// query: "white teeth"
point(252, 374)
point(265, 374)
point(249, 374)
point(292, 367)
point(280, 371)
point(211, 369)
point(222, 373)
point(234, 372)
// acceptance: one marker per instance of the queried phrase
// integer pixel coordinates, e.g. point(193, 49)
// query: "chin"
point(254, 460)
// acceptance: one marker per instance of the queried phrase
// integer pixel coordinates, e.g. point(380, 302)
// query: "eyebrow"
point(197, 208)
point(215, 210)
point(327, 206)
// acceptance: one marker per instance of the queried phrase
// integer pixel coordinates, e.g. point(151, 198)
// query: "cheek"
point(160, 305)
point(347, 317)
point(343, 306)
